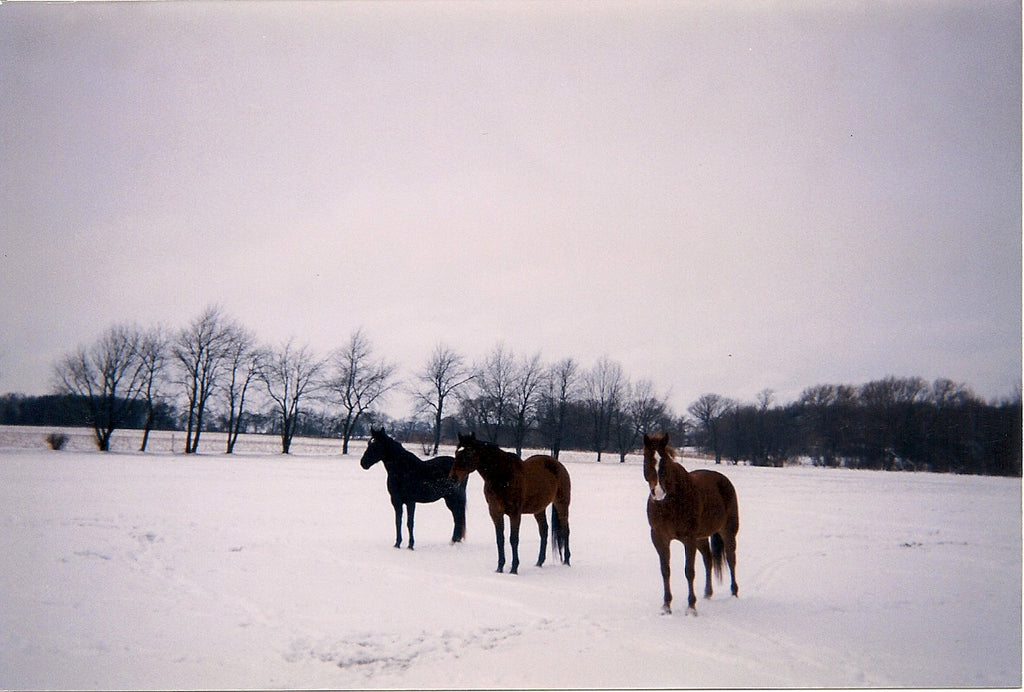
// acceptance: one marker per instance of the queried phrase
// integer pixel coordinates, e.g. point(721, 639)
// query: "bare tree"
point(200, 352)
point(151, 351)
point(358, 381)
point(604, 394)
point(290, 373)
point(107, 376)
point(495, 381)
point(442, 376)
point(562, 386)
point(243, 361)
point(708, 410)
point(526, 391)
point(650, 411)
point(641, 412)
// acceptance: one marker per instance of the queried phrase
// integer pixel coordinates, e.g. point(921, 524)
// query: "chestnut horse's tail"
point(717, 554)
point(557, 533)
point(732, 526)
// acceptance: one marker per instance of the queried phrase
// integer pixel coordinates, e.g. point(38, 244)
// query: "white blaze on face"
point(658, 492)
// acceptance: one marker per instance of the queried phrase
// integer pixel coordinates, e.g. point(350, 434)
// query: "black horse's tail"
point(557, 534)
point(717, 554)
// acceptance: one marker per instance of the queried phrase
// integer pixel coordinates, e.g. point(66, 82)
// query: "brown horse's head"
point(467, 457)
point(656, 443)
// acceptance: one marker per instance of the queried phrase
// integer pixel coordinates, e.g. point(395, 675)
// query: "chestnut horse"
point(691, 507)
point(516, 487)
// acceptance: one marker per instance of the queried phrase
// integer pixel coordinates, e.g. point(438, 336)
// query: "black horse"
point(412, 480)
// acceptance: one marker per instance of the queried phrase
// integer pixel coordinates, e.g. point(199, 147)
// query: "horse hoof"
point(411, 548)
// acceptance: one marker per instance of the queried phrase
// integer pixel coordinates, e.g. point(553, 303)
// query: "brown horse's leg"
point(663, 546)
point(499, 535)
point(705, 552)
point(690, 549)
point(730, 557)
point(513, 540)
point(410, 510)
point(560, 519)
point(542, 526)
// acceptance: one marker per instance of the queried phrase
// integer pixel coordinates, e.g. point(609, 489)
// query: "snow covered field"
point(125, 570)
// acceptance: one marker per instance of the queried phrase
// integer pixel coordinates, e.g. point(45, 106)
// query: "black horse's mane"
point(395, 447)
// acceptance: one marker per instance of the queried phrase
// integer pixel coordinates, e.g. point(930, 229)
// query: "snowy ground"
point(124, 570)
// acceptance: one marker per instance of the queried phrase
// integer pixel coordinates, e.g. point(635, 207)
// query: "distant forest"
point(213, 375)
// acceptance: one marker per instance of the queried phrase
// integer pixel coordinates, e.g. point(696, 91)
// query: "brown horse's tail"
point(717, 554)
point(557, 533)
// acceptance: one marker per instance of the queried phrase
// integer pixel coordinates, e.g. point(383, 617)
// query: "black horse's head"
point(467, 457)
point(375, 448)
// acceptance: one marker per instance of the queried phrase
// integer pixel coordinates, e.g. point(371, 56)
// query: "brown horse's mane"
point(670, 452)
point(655, 443)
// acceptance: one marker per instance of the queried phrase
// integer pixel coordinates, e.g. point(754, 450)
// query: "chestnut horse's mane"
point(670, 451)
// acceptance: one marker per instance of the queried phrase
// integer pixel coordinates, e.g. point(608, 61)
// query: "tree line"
point(888, 424)
point(213, 374)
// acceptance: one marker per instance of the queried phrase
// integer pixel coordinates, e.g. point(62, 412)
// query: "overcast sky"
point(721, 196)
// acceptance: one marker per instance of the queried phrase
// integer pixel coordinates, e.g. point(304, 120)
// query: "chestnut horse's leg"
point(560, 520)
point(513, 540)
point(705, 552)
point(499, 536)
point(410, 509)
point(730, 557)
point(397, 504)
point(690, 549)
point(663, 546)
point(542, 526)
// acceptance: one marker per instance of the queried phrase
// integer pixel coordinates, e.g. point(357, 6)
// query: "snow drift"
point(127, 570)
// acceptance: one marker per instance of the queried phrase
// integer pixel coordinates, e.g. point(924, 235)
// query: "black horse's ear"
point(665, 438)
point(647, 440)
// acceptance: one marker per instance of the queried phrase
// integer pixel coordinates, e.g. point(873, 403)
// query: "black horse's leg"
point(663, 546)
point(457, 506)
point(411, 511)
point(690, 549)
point(513, 540)
point(542, 526)
point(397, 504)
point(499, 537)
point(705, 552)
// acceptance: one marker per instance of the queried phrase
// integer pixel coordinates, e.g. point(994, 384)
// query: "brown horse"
point(690, 507)
point(516, 487)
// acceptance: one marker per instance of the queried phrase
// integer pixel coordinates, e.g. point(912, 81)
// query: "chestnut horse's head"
point(656, 443)
point(467, 457)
